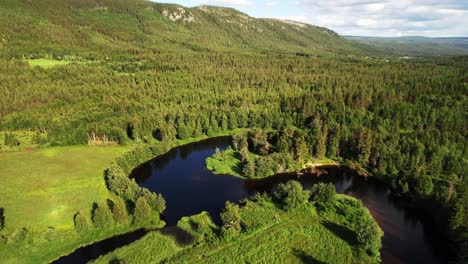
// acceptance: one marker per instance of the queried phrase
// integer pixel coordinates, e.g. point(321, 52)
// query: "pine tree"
point(120, 211)
point(142, 211)
point(102, 216)
point(81, 224)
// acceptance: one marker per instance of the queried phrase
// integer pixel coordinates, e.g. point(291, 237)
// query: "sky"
point(387, 18)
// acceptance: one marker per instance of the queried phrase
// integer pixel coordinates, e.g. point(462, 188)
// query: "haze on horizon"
point(387, 18)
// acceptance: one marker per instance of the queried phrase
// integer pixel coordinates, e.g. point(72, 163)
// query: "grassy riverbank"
point(229, 162)
point(42, 189)
point(269, 235)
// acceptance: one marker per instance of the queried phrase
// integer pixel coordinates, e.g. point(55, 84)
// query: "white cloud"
point(272, 3)
point(388, 17)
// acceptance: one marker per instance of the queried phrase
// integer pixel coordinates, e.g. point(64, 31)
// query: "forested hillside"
point(97, 29)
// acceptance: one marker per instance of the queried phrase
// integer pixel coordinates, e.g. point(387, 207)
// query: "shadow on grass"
point(182, 237)
point(342, 232)
point(306, 258)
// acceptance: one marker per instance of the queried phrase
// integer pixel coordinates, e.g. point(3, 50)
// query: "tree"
point(81, 224)
point(364, 145)
point(231, 219)
point(323, 193)
point(142, 211)
point(369, 234)
point(291, 195)
point(155, 201)
point(423, 185)
point(102, 216)
point(249, 169)
point(120, 211)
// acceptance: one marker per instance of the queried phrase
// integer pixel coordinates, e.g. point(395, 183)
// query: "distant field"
point(45, 187)
point(48, 63)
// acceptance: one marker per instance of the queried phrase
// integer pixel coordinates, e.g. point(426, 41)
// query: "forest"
point(286, 103)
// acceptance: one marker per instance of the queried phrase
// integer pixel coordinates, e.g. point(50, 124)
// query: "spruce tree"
point(102, 216)
point(81, 224)
point(142, 211)
point(120, 211)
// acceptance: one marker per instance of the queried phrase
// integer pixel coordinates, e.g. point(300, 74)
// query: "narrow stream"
point(189, 188)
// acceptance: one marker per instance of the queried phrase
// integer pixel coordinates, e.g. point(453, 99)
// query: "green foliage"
point(102, 216)
point(81, 224)
point(119, 183)
point(155, 201)
point(323, 194)
point(119, 211)
point(201, 227)
point(142, 212)
point(291, 195)
point(271, 236)
point(11, 140)
point(231, 220)
point(369, 234)
point(423, 185)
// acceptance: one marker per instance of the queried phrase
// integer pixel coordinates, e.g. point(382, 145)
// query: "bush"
point(11, 140)
point(291, 195)
point(102, 216)
point(369, 234)
point(323, 193)
point(81, 224)
point(142, 211)
point(231, 219)
point(18, 235)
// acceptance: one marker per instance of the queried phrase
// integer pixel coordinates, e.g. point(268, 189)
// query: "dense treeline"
point(403, 121)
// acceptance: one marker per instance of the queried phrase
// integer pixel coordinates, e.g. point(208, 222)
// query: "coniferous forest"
point(93, 89)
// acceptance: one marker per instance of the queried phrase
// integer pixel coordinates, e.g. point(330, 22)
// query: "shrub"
point(18, 235)
point(102, 216)
point(369, 234)
point(291, 195)
point(231, 219)
point(323, 193)
point(81, 224)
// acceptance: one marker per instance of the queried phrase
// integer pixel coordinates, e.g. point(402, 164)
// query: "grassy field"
point(49, 63)
point(45, 187)
point(270, 235)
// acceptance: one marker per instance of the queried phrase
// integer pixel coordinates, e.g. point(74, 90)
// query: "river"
point(189, 188)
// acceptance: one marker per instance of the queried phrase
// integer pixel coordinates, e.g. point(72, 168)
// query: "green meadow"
point(45, 187)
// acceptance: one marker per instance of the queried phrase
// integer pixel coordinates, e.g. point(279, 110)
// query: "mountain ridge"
point(31, 28)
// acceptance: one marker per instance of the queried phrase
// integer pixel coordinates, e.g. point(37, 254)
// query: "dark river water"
point(189, 188)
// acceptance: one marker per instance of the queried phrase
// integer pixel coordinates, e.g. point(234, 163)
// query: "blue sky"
point(434, 18)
